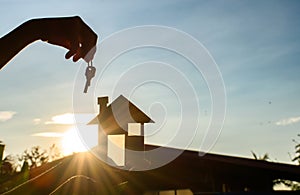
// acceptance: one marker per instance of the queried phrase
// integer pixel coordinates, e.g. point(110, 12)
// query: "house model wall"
point(121, 117)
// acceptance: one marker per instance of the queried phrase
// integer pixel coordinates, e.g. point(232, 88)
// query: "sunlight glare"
point(71, 142)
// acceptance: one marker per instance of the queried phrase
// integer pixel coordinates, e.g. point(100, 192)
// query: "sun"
point(71, 142)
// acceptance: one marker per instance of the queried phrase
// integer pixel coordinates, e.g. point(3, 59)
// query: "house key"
point(89, 74)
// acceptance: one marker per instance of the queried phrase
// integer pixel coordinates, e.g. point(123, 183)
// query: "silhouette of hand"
point(71, 33)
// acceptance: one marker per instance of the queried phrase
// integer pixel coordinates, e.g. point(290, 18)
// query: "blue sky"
point(256, 45)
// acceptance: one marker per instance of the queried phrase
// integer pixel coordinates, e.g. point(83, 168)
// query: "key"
point(89, 74)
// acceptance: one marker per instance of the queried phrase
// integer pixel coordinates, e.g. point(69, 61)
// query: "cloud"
point(63, 119)
point(36, 121)
point(48, 134)
point(71, 119)
point(6, 115)
point(288, 121)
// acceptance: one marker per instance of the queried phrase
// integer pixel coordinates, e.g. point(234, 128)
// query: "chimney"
point(1, 151)
point(102, 102)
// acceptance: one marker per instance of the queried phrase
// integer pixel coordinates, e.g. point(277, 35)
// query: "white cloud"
point(48, 134)
point(36, 121)
point(6, 115)
point(64, 119)
point(70, 119)
point(288, 121)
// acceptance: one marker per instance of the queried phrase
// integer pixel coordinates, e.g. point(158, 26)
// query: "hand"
point(71, 33)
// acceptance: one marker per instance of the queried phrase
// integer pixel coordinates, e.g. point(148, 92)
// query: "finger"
point(88, 49)
point(77, 56)
point(73, 50)
point(86, 55)
point(89, 39)
point(69, 54)
point(90, 55)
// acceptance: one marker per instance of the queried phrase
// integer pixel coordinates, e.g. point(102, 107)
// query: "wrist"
point(33, 30)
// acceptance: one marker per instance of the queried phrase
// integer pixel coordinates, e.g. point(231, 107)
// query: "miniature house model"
point(121, 117)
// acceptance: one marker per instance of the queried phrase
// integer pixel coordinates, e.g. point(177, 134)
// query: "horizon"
point(255, 44)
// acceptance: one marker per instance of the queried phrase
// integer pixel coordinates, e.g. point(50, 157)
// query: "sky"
point(255, 44)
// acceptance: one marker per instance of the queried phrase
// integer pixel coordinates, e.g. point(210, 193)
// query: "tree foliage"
point(265, 157)
point(30, 158)
point(7, 165)
point(297, 151)
point(293, 185)
point(35, 157)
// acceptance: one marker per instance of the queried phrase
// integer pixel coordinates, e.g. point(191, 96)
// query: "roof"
point(116, 116)
point(274, 170)
point(85, 174)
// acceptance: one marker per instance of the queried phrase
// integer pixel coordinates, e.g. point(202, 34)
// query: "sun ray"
point(71, 142)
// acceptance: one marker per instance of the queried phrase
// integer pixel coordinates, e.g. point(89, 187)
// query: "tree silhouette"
point(7, 165)
point(35, 157)
point(265, 157)
point(292, 184)
point(15, 169)
point(297, 148)
point(54, 153)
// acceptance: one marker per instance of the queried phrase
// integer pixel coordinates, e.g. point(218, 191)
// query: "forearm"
point(12, 43)
point(68, 32)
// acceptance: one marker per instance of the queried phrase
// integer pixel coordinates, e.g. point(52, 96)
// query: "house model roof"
point(115, 117)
